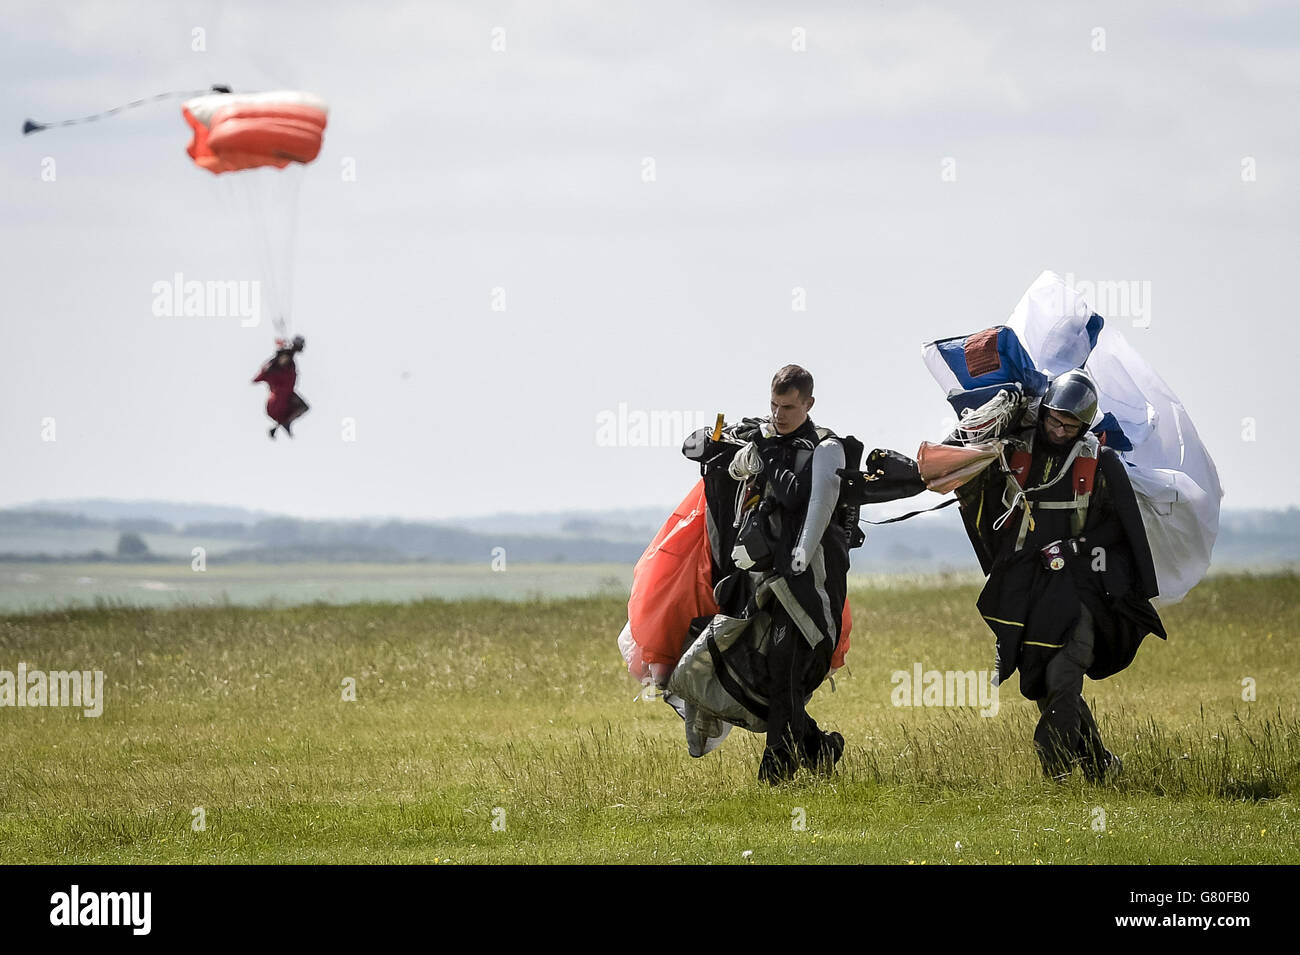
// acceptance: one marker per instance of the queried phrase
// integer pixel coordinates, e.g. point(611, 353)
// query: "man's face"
point(1060, 429)
point(789, 410)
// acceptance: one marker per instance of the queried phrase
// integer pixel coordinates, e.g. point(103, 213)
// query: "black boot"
point(1057, 764)
point(822, 752)
point(777, 766)
point(1102, 769)
point(271, 434)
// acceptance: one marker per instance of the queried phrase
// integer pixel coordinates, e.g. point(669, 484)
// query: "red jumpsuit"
point(282, 402)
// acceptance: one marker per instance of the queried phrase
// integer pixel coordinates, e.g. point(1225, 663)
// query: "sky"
point(532, 227)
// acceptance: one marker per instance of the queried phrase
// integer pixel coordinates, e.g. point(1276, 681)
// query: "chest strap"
point(1081, 464)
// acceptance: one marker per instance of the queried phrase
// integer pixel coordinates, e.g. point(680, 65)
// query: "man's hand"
point(748, 429)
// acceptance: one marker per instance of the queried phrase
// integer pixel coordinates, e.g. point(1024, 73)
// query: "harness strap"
point(925, 510)
point(1018, 475)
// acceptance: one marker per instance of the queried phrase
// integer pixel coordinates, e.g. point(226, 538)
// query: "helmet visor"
point(1073, 395)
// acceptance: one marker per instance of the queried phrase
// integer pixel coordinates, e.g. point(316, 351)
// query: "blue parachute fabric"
point(1093, 329)
point(1114, 434)
point(991, 357)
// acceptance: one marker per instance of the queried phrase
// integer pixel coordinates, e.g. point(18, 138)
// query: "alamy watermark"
point(656, 428)
point(1122, 298)
point(72, 688)
point(922, 687)
point(192, 298)
point(128, 909)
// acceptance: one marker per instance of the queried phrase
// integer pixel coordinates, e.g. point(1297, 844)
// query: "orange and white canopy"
point(234, 131)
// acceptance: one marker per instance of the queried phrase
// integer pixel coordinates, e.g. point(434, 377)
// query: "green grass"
point(521, 713)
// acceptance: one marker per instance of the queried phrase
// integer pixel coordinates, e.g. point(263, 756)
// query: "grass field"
point(489, 731)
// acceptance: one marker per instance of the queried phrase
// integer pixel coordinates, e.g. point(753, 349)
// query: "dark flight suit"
point(1085, 618)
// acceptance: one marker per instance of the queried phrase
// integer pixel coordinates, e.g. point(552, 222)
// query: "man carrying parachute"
point(738, 609)
point(1078, 503)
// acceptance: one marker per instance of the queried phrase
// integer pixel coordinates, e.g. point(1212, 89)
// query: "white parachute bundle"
point(1173, 476)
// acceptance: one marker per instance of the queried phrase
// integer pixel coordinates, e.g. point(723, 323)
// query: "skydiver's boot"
point(1102, 771)
point(271, 434)
point(1099, 764)
point(777, 766)
point(821, 751)
point(287, 430)
point(1054, 755)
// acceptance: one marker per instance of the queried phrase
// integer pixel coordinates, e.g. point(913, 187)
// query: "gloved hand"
point(768, 443)
point(747, 430)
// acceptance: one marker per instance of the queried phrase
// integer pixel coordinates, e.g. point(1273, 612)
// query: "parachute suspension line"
point(32, 126)
point(746, 463)
point(743, 467)
point(990, 420)
point(291, 181)
point(267, 199)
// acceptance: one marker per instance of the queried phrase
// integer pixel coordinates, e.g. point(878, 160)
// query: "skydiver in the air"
point(284, 405)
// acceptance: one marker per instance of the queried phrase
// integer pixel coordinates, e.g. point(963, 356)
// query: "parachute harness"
point(1086, 447)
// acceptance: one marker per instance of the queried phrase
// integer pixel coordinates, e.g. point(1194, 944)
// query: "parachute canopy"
point(267, 139)
point(235, 131)
point(1173, 476)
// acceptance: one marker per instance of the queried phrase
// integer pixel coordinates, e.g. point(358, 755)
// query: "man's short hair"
point(792, 376)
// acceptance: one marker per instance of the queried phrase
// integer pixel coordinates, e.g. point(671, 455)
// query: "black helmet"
point(1073, 393)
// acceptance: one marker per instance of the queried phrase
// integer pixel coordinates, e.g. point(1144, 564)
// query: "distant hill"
point(38, 533)
point(1253, 538)
point(609, 525)
point(169, 511)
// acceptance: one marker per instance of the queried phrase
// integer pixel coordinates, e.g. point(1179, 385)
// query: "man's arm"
point(827, 459)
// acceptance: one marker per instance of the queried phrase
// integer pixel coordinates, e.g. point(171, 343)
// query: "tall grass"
point(470, 714)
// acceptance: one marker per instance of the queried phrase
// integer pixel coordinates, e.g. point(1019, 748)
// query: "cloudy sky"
point(529, 219)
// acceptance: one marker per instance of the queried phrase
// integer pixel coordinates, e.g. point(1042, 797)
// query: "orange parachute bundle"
point(267, 140)
point(235, 131)
point(946, 467)
point(672, 584)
